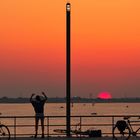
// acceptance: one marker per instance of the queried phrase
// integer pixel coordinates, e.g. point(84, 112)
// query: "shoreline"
point(73, 100)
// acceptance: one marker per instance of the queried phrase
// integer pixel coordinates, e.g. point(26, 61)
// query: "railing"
point(23, 126)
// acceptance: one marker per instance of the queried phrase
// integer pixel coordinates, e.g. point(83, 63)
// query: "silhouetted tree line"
point(73, 100)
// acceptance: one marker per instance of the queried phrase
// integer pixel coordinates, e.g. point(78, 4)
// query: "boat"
point(93, 113)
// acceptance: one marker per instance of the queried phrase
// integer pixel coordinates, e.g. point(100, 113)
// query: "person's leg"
point(36, 126)
point(42, 125)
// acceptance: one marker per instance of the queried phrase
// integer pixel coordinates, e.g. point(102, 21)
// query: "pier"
point(22, 127)
point(65, 138)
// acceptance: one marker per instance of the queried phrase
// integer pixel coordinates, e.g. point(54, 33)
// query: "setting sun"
point(104, 95)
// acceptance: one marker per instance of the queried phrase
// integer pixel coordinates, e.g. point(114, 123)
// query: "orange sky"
point(105, 47)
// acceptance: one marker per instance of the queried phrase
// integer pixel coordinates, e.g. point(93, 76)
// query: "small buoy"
point(61, 107)
point(94, 113)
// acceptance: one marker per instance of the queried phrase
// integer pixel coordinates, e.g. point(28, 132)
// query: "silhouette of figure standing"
point(38, 105)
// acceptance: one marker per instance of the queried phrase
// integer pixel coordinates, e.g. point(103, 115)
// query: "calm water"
point(77, 109)
point(58, 109)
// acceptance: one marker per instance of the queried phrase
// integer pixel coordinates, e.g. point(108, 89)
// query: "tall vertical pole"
point(68, 70)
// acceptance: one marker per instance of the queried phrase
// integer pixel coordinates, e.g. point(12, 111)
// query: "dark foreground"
point(65, 138)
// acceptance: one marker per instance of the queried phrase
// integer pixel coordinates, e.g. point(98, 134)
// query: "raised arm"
point(31, 98)
point(44, 95)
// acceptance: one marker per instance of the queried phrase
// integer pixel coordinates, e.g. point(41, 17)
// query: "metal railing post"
point(15, 128)
point(48, 126)
point(80, 125)
point(112, 124)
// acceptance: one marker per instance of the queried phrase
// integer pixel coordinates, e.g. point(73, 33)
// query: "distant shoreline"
point(73, 100)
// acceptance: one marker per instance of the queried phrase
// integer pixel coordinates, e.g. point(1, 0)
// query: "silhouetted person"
point(38, 105)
